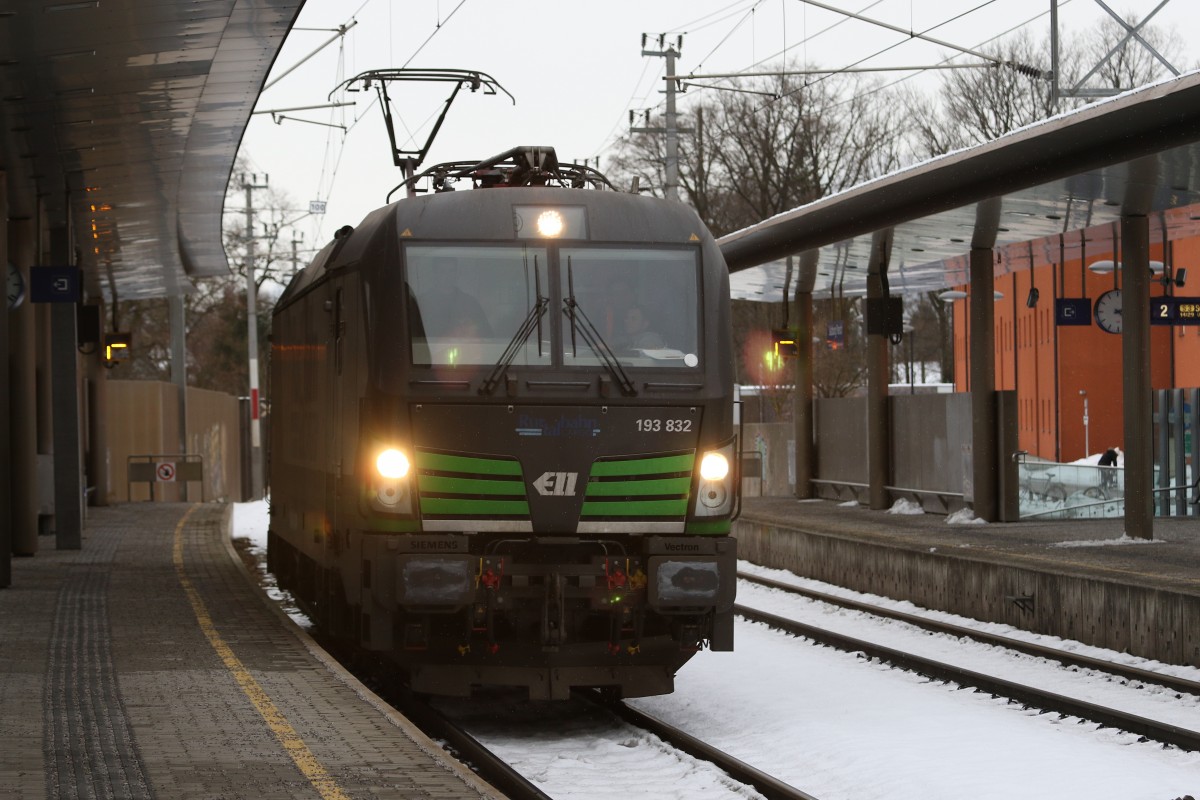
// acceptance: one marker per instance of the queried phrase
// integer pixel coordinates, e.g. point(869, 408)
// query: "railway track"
point(544, 746)
point(443, 725)
point(466, 748)
point(1157, 730)
point(770, 787)
point(493, 768)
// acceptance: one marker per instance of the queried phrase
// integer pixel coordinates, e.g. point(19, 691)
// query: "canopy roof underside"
point(124, 119)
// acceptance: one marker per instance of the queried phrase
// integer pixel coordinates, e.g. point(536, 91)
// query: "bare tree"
point(1125, 63)
point(768, 145)
point(974, 106)
point(215, 311)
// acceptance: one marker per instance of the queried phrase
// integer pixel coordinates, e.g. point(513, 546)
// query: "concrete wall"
point(143, 419)
point(929, 432)
point(1146, 622)
point(773, 444)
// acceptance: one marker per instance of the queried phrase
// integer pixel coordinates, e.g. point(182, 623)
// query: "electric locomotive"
point(502, 447)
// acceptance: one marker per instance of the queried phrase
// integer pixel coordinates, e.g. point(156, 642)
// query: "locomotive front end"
point(534, 480)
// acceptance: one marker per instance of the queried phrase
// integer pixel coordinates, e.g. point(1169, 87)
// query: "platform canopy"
point(1069, 175)
point(124, 118)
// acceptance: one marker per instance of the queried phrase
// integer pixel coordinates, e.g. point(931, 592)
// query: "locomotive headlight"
point(714, 467)
point(715, 490)
point(550, 223)
point(392, 464)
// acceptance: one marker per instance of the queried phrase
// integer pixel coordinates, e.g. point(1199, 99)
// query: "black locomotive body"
point(483, 467)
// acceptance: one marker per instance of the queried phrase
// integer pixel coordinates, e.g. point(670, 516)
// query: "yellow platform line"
point(305, 761)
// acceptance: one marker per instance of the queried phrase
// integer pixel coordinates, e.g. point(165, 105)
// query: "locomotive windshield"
point(468, 304)
point(465, 303)
point(642, 301)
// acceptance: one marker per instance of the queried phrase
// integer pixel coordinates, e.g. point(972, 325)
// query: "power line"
point(687, 28)
point(731, 32)
point(436, 29)
point(897, 44)
point(948, 59)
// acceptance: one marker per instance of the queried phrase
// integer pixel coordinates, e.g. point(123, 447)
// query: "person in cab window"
point(449, 311)
point(637, 334)
point(620, 297)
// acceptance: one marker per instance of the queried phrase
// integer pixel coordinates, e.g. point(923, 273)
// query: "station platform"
point(147, 664)
point(1075, 579)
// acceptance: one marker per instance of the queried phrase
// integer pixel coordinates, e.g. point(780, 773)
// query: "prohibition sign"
point(165, 471)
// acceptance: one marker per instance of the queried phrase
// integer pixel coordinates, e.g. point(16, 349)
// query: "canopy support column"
point(802, 397)
point(982, 368)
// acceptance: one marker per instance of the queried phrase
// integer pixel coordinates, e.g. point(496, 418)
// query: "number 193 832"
point(653, 425)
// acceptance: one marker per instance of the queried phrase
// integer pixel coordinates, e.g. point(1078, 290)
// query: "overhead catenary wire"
point(689, 28)
point(1000, 35)
point(894, 45)
point(360, 116)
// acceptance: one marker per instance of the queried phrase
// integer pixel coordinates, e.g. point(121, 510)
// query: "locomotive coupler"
point(639, 623)
point(554, 612)
point(614, 632)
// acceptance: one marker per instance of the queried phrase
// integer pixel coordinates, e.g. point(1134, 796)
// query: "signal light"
point(116, 348)
point(785, 342)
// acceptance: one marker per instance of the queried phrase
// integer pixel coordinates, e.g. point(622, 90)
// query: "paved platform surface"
point(147, 665)
point(1075, 547)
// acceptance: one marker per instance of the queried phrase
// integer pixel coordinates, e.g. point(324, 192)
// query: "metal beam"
point(1135, 349)
point(6, 508)
point(179, 371)
point(983, 360)
point(64, 377)
point(878, 371)
point(24, 406)
point(97, 427)
point(802, 397)
point(1138, 124)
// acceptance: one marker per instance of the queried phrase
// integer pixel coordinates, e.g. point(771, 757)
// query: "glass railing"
point(1049, 490)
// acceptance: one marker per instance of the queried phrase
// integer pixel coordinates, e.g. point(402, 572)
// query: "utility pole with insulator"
point(256, 451)
point(672, 130)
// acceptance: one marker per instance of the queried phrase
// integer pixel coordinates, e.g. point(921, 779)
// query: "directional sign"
point(1187, 310)
point(1162, 310)
point(55, 285)
point(165, 471)
point(1072, 311)
point(1167, 310)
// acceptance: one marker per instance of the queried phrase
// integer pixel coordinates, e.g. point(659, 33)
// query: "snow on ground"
point(839, 726)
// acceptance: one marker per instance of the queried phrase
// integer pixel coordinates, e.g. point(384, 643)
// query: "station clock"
point(16, 287)
point(1108, 311)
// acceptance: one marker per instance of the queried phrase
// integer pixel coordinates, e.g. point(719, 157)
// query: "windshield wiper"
point(532, 320)
point(591, 336)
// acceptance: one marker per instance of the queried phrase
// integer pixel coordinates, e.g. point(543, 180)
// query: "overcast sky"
point(575, 69)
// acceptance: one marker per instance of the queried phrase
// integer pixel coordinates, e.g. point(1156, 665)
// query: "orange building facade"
point(1053, 368)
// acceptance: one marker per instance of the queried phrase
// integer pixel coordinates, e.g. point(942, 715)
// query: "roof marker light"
point(550, 223)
